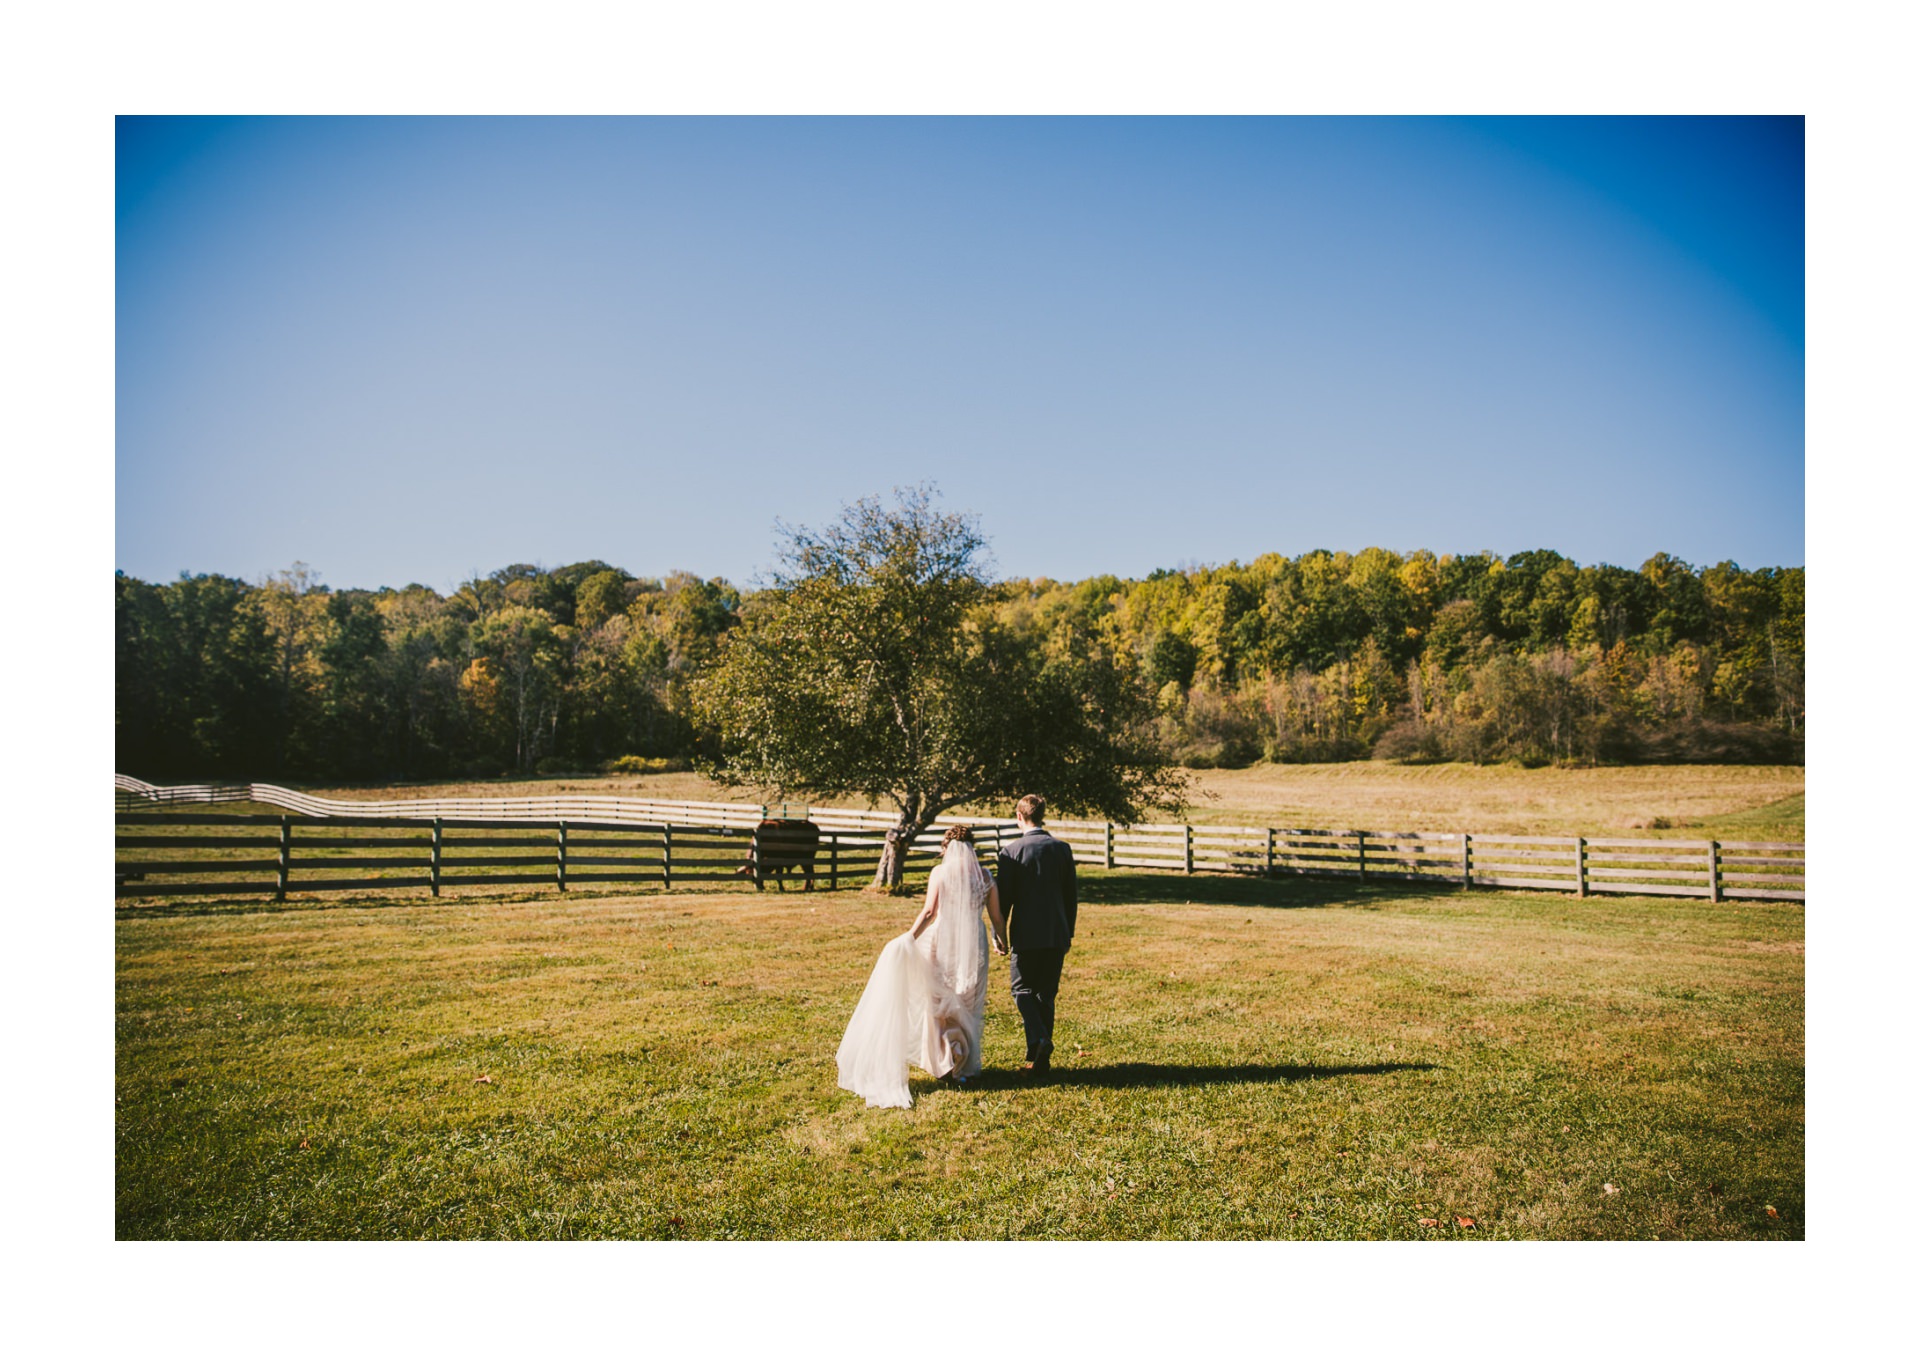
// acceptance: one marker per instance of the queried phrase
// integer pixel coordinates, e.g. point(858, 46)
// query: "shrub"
point(1709, 741)
point(1207, 728)
point(1413, 740)
point(634, 765)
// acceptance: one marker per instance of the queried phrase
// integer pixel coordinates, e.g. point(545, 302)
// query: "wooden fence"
point(162, 853)
point(592, 839)
point(1707, 868)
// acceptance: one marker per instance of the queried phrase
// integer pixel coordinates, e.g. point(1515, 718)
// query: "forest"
point(1325, 656)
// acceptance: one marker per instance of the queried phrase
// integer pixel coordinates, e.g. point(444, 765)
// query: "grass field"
point(1239, 1059)
point(1729, 802)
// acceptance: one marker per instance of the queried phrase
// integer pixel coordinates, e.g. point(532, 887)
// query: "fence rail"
point(606, 839)
point(285, 854)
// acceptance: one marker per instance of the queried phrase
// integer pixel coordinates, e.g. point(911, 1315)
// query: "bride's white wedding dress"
point(926, 1001)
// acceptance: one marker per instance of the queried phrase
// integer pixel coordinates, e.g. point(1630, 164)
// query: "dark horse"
point(779, 845)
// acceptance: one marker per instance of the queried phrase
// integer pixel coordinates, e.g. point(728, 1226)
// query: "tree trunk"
point(892, 871)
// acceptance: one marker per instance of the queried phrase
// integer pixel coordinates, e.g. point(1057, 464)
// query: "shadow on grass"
point(1178, 1075)
point(1279, 892)
point(195, 906)
point(1096, 887)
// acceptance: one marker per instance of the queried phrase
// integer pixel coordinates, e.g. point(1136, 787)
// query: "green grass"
point(1239, 1059)
point(1784, 819)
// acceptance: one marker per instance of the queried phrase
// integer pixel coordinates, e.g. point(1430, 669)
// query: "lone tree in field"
point(873, 666)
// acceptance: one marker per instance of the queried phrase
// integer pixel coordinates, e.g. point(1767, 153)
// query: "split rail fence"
point(570, 841)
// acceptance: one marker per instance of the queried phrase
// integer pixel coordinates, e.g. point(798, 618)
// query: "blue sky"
point(408, 349)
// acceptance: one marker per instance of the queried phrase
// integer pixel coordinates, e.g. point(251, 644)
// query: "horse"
point(779, 845)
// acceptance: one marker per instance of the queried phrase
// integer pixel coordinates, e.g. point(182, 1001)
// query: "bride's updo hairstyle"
point(956, 833)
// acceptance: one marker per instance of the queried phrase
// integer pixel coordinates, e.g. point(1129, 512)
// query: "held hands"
point(1000, 943)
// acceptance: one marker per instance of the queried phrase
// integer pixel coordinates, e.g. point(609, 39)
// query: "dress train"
point(924, 1005)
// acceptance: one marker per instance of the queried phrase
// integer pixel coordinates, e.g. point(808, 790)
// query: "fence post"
point(1109, 845)
point(1580, 867)
point(560, 862)
point(1360, 841)
point(1713, 871)
point(286, 857)
point(833, 861)
point(1189, 849)
point(1269, 851)
point(1466, 861)
point(433, 864)
point(666, 855)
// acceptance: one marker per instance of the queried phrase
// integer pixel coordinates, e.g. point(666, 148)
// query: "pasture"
point(1239, 1058)
point(1720, 801)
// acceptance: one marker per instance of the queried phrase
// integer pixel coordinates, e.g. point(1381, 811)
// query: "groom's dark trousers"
point(1036, 980)
point(1040, 898)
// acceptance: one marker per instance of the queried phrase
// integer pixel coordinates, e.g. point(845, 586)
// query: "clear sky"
point(409, 349)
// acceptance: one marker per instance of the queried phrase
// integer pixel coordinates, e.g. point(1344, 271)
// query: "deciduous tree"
point(873, 667)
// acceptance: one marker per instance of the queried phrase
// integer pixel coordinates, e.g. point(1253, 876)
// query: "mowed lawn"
point(1239, 1059)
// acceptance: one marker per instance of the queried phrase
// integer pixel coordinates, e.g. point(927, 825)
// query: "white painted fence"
point(1706, 868)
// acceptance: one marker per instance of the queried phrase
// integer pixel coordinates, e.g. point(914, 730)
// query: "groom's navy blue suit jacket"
point(1037, 891)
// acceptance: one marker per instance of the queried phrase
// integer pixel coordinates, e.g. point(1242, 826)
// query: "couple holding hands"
point(926, 1001)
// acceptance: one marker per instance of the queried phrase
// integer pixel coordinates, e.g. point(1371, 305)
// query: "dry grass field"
point(1731, 801)
point(1456, 797)
point(1241, 1058)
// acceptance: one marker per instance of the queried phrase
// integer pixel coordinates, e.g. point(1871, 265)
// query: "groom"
point(1038, 895)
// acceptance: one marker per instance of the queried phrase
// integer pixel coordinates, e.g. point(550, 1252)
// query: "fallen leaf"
point(1772, 1213)
point(1430, 1223)
point(1464, 1222)
point(484, 1078)
point(675, 1221)
point(1610, 1188)
point(303, 1144)
point(1565, 1128)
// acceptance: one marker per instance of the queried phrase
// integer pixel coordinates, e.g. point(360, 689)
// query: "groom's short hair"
point(1033, 809)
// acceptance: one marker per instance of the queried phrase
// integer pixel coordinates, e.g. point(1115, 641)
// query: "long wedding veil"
point(957, 930)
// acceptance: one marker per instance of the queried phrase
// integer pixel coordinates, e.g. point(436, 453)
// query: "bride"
point(927, 997)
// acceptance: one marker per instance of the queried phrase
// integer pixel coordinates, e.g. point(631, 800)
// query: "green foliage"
point(1170, 658)
point(194, 677)
point(632, 765)
point(1323, 656)
point(876, 666)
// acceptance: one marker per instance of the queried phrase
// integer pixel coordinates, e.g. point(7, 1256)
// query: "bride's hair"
point(958, 833)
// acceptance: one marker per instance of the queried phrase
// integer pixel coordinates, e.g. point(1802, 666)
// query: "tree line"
point(1317, 657)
